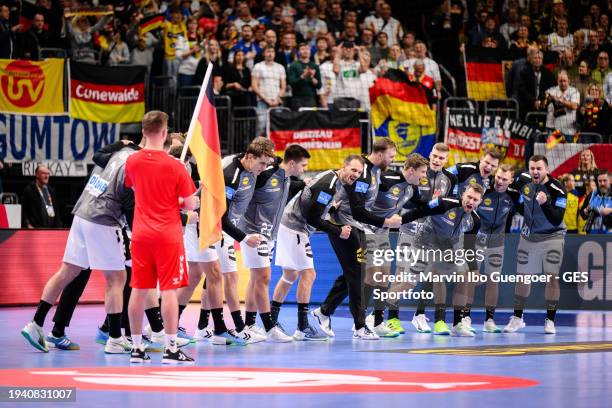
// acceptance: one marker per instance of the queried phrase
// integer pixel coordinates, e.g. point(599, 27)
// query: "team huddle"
point(137, 222)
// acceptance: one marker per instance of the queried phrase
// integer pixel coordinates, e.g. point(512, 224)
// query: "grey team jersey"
point(312, 203)
point(265, 210)
point(493, 211)
point(367, 184)
point(239, 188)
point(100, 202)
point(441, 180)
point(394, 192)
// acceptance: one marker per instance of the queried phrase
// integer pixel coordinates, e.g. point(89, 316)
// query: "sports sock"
point(155, 319)
point(41, 312)
point(238, 322)
point(275, 310)
point(217, 315)
point(392, 313)
point(114, 325)
point(302, 316)
point(551, 309)
point(519, 305)
point(59, 330)
point(203, 320)
point(440, 312)
point(490, 312)
point(467, 310)
point(180, 311)
point(249, 318)
point(104, 326)
point(171, 342)
point(137, 340)
point(379, 317)
point(266, 319)
point(457, 315)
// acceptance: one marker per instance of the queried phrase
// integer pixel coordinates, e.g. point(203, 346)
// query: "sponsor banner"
point(35, 87)
point(43, 138)
point(107, 94)
point(468, 135)
point(511, 350)
point(57, 168)
point(329, 136)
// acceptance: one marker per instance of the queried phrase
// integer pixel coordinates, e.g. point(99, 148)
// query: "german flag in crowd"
point(393, 96)
point(150, 23)
point(107, 94)
point(484, 73)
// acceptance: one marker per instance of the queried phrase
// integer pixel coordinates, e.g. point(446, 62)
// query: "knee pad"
point(287, 281)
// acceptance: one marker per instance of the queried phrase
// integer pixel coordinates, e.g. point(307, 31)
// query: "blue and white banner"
point(45, 138)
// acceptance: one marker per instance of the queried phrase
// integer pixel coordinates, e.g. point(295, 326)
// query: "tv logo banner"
point(43, 138)
point(35, 87)
point(468, 135)
point(107, 94)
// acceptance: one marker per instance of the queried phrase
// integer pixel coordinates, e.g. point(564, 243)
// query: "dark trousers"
point(351, 254)
point(73, 292)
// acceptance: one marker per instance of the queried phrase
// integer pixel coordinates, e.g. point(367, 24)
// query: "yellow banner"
point(35, 87)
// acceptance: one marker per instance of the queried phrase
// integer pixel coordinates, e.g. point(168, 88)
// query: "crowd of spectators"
point(302, 53)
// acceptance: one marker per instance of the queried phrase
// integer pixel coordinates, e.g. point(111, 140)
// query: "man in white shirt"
point(244, 17)
point(269, 82)
point(561, 40)
point(311, 26)
point(511, 25)
point(348, 72)
point(431, 67)
point(564, 100)
point(328, 80)
point(388, 24)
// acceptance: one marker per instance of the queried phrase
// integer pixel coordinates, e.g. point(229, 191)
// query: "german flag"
point(394, 97)
point(107, 94)
point(150, 23)
point(484, 73)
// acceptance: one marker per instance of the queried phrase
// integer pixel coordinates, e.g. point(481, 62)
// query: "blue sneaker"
point(182, 333)
point(61, 343)
point(101, 337)
point(230, 337)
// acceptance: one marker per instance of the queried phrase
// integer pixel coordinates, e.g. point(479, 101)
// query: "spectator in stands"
point(418, 75)
point(490, 31)
point(366, 41)
point(521, 40)
point(335, 21)
point(511, 25)
point(561, 39)
point(304, 78)
point(591, 53)
point(270, 40)
point(142, 55)
point(597, 206)
point(607, 88)
point(387, 24)
point(571, 209)
point(269, 83)
point(368, 22)
point(562, 102)
point(275, 21)
point(189, 52)
point(27, 44)
point(328, 80)
point(247, 45)
point(551, 22)
point(380, 51)
point(584, 80)
point(81, 37)
point(244, 17)
point(533, 82)
point(175, 5)
point(348, 71)
point(172, 30)
point(586, 172)
point(394, 61)
point(119, 51)
point(602, 69)
point(431, 67)
point(7, 33)
point(288, 9)
point(237, 80)
point(350, 32)
point(287, 52)
point(479, 27)
point(211, 56)
point(311, 25)
point(579, 41)
point(300, 9)
point(408, 43)
point(594, 114)
point(368, 77)
point(267, 12)
point(604, 42)
point(322, 53)
point(567, 64)
point(39, 203)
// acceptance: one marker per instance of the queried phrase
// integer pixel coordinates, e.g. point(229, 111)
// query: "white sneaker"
point(383, 331)
point(227, 338)
point(323, 321)
point(257, 329)
point(461, 330)
point(369, 321)
point(276, 335)
point(147, 331)
point(549, 327)
point(420, 323)
point(365, 334)
point(490, 327)
point(118, 346)
point(33, 333)
point(205, 334)
point(254, 336)
point(160, 338)
point(514, 324)
point(467, 322)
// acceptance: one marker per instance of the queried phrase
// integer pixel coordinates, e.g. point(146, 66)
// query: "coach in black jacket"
point(534, 81)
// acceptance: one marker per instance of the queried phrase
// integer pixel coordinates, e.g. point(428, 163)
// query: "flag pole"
point(196, 110)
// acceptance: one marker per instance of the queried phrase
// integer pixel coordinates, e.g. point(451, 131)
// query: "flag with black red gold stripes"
point(484, 73)
point(107, 94)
